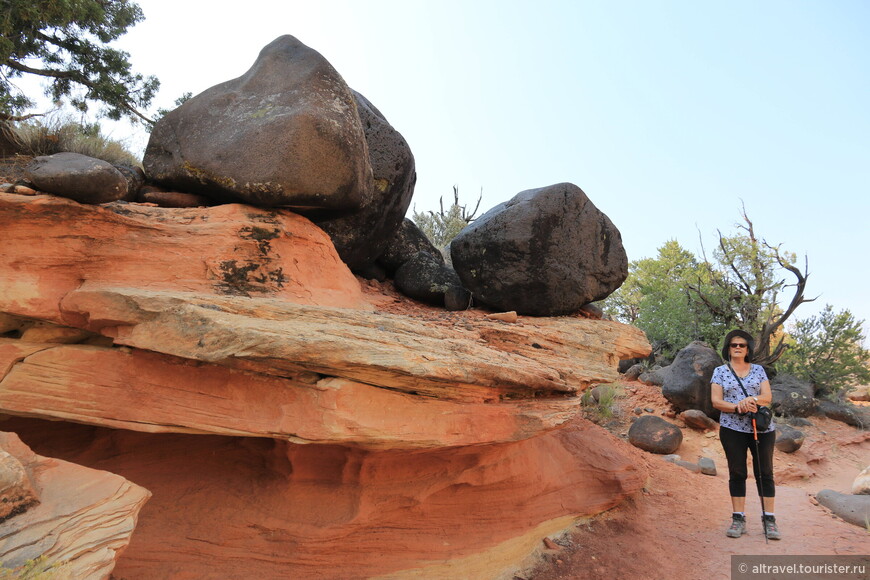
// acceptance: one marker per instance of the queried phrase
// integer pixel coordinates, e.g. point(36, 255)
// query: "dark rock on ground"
point(633, 372)
point(77, 177)
point(686, 382)
point(693, 467)
point(425, 278)
point(627, 363)
point(652, 377)
point(788, 439)
point(707, 465)
point(655, 435)
point(545, 252)
point(848, 414)
point(697, 419)
point(135, 177)
point(285, 133)
point(792, 397)
point(456, 297)
point(854, 509)
point(175, 199)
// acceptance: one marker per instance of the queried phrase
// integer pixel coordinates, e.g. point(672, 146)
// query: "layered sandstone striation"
point(313, 427)
point(76, 519)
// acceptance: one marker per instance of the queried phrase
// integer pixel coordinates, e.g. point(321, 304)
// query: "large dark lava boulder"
point(362, 236)
point(686, 381)
point(285, 133)
point(546, 252)
point(792, 397)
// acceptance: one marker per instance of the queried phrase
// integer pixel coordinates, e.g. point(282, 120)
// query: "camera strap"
point(739, 382)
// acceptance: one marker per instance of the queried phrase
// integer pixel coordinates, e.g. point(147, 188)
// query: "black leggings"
point(735, 444)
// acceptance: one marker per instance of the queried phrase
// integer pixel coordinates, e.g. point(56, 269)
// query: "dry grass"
point(57, 133)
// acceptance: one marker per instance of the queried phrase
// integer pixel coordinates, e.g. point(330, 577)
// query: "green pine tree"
point(67, 43)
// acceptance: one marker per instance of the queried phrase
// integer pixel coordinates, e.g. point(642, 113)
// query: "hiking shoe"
point(770, 529)
point(738, 526)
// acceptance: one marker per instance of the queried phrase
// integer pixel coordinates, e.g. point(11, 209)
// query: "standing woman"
point(735, 429)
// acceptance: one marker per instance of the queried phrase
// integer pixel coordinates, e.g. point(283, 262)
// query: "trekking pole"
point(758, 478)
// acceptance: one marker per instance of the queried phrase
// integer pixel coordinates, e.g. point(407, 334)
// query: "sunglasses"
point(737, 345)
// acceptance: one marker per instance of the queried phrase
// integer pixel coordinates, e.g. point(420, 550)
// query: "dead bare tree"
point(443, 226)
point(744, 292)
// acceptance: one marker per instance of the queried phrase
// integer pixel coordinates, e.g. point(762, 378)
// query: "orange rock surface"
point(146, 391)
point(81, 522)
point(291, 421)
point(257, 508)
point(52, 246)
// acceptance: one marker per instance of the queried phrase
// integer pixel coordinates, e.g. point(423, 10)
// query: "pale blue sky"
point(666, 113)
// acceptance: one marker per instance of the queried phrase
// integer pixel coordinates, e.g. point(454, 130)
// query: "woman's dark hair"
point(750, 349)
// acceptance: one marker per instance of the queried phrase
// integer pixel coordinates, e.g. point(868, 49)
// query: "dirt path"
point(676, 528)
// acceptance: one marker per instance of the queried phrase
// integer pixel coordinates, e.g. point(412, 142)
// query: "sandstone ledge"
point(53, 245)
point(145, 391)
point(486, 362)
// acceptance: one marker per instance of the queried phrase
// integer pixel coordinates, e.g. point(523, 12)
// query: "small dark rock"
point(652, 377)
point(77, 177)
point(799, 422)
point(427, 279)
point(655, 435)
point(707, 465)
point(404, 245)
point(788, 439)
point(135, 180)
point(176, 199)
point(633, 372)
point(694, 467)
point(457, 298)
point(698, 420)
point(843, 412)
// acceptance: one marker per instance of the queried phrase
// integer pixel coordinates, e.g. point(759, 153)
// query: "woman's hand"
point(747, 405)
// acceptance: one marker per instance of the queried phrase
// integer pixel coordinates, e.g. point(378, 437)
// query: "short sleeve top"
point(734, 394)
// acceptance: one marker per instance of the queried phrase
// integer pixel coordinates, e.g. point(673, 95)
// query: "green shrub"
point(828, 350)
point(603, 407)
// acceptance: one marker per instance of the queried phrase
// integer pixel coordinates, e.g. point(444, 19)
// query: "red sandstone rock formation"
point(260, 508)
point(78, 518)
point(434, 446)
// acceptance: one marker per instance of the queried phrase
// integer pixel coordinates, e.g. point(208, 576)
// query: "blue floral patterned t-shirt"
point(734, 394)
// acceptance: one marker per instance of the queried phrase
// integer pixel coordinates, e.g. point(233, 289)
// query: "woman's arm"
point(765, 395)
point(717, 398)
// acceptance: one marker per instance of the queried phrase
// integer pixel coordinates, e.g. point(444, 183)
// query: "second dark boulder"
point(546, 252)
